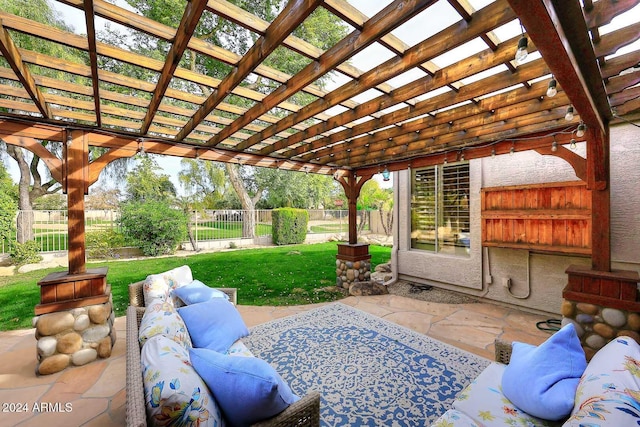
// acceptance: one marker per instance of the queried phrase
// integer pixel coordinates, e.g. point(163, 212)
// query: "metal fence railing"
point(49, 228)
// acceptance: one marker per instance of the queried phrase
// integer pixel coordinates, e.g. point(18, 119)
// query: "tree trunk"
point(30, 187)
point(24, 223)
point(248, 219)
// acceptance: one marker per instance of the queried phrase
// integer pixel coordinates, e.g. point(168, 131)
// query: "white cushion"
point(609, 390)
point(159, 286)
point(483, 401)
point(161, 318)
point(174, 392)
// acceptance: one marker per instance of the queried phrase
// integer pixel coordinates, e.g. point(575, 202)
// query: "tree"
point(103, 198)
point(51, 202)
point(372, 197)
point(8, 205)
point(144, 183)
point(205, 182)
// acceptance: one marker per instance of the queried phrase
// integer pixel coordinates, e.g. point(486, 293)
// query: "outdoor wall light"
point(581, 129)
point(569, 116)
point(552, 90)
point(386, 174)
point(521, 53)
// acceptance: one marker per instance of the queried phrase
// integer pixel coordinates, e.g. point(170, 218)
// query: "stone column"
point(74, 320)
point(353, 264)
point(601, 305)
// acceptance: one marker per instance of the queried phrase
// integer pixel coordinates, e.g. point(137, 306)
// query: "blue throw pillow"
point(215, 324)
point(196, 292)
point(247, 389)
point(542, 380)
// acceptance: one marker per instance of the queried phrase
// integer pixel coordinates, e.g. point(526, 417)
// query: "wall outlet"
point(506, 282)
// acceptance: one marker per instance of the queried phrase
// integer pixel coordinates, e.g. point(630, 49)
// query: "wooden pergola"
point(475, 107)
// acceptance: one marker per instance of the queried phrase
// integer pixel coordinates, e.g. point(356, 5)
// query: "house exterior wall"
point(536, 279)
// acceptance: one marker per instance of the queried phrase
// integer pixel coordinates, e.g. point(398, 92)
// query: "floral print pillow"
point(175, 395)
point(609, 391)
point(161, 318)
point(159, 286)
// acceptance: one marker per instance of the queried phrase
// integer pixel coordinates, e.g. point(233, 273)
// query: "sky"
point(412, 32)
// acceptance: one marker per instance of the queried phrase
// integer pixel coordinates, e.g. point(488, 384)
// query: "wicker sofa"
point(304, 412)
point(608, 393)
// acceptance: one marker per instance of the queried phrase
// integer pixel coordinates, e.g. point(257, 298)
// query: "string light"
point(552, 90)
point(512, 149)
point(493, 153)
point(569, 116)
point(581, 130)
point(572, 144)
point(522, 53)
point(554, 146)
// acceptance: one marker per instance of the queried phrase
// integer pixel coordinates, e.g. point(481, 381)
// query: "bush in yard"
point(25, 253)
point(101, 244)
point(8, 209)
point(289, 226)
point(155, 227)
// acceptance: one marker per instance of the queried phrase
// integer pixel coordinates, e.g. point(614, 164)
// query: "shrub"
point(25, 253)
point(101, 244)
point(8, 210)
point(156, 228)
point(289, 226)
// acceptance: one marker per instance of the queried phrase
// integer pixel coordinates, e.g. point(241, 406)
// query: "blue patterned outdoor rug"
point(370, 372)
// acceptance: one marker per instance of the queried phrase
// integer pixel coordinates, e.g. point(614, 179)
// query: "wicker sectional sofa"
point(304, 412)
point(607, 395)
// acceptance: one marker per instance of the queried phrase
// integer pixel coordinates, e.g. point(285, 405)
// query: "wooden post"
point(76, 159)
point(352, 185)
point(598, 182)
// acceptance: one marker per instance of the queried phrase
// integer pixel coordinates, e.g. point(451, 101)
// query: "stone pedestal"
point(601, 305)
point(353, 264)
point(74, 320)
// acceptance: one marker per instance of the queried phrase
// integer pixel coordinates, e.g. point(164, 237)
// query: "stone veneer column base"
point(353, 264)
point(601, 305)
point(74, 337)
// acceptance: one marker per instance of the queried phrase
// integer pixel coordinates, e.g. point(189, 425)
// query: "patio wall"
point(483, 273)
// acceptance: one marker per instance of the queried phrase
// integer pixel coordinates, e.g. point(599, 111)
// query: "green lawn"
point(283, 275)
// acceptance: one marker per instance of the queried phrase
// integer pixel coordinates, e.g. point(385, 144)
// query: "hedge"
point(289, 226)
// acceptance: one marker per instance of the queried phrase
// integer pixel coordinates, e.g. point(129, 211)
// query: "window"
point(440, 209)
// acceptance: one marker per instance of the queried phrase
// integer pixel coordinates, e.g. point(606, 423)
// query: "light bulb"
point(511, 151)
point(385, 174)
point(521, 53)
point(552, 90)
point(554, 146)
point(493, 152)
point(581, 129)
point(572, 145)
point(569, 116)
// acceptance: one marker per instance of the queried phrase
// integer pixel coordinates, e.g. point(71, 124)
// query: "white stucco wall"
point(537, 279)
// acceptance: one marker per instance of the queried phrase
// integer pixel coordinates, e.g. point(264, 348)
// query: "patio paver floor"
point(95, 392)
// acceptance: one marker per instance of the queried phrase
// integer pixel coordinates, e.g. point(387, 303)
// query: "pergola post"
point(353, 259)
point(75, 315)
point(76, 176)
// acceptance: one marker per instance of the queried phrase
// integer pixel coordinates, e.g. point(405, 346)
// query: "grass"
point(283, 275)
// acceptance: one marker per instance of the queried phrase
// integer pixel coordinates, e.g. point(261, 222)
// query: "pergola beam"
point(294, 13)
point(188, 24)
point(571, 59)
point(93, 58)
point(12, 55)
point(385, 21)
